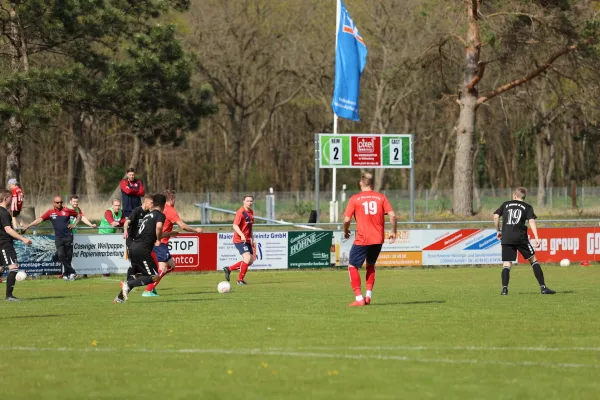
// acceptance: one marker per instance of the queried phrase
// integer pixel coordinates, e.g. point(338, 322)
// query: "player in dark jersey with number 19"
point(140, 251)
point(515, 214)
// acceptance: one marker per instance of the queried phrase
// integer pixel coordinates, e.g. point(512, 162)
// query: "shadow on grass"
point(557, 293)
point(186, 293)
point(44, 298)
point(34, 316)
point(410, 303)
point(179, 300)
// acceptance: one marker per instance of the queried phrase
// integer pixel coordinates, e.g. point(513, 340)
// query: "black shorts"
point(243, 248)
point(8, 256)
point(16, 213)
point(142, 261)
point(358, 254)
point(509, 251)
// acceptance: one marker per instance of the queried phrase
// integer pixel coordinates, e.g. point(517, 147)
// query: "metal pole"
point(412, 180)
point(317, 168)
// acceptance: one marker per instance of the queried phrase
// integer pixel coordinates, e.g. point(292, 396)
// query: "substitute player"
point(369, 209)
point(148, 236)
point(16, 204)
point(243, 239)
point(515, 214)
point(166, 263)
point(8, 255)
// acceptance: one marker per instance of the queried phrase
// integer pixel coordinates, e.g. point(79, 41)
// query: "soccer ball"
point(565, 262)
point(21, 275)
point(223, 287)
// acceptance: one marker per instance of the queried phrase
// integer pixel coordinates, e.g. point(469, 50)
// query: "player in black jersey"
point(8, 255)
point(131, 226)
point(148, 235)
point(515, 214)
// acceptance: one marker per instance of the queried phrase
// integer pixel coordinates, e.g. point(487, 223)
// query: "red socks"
point(355, 283)
point(235, 266)
point(243, 269)
point(370, 276)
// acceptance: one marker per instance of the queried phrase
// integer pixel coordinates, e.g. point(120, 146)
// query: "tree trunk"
point(89, 166)
point(463, 163)
point(71, 164)
point(440, 169)
point(19, 62)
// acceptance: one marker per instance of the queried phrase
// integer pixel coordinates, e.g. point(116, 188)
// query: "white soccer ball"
point(565, 262)
point(21, 275)
point(223, 287)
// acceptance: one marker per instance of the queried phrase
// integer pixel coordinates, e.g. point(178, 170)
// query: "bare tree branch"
point(528, 77)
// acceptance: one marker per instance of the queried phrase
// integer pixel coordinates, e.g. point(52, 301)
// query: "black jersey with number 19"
point(515, 215)
point(146, 235)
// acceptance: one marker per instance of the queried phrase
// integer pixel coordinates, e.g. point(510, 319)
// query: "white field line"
point(455, 348)
point(280, 353)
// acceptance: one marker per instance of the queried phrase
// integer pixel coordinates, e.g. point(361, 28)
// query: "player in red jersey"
point(16, 204)
point(243, 239)
point(369, 209)
point(165, 261)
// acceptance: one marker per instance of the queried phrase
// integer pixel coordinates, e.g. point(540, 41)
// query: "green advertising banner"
point(335, 151)
point(310, 249)
point(365, 151)
point(396, 151)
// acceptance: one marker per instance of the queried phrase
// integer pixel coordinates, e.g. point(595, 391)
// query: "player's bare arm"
point(188, 228)
point(237, 230)
point(15, 235)
point(536, 240)
point(394, 222)
point(347, 227)
point(34, 223)
point(87, 222)
point(126, 228)
point(159, 235)
point(497, 226)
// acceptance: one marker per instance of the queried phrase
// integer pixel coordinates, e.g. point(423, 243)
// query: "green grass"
point(429, 334)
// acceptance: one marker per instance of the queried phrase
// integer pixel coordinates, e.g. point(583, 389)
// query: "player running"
point(243, 239)
point(515, 214)
point(8, 255)
point(166, 263)
point(148, 236)
point(369, 209)
point(131, 225)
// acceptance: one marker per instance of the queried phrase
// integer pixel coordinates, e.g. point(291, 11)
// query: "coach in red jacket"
point(132, 192)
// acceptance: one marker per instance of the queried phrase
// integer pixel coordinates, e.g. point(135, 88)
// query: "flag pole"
point(332, 208)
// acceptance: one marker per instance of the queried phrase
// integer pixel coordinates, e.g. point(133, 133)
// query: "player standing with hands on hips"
point(243, 239)
point(369, 209)
point(515, 214)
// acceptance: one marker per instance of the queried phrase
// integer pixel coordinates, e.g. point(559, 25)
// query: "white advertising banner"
point(271, 250)
point(462, 247)
point(430, 247)
point(100, 254)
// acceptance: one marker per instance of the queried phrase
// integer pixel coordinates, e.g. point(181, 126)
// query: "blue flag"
point(350, 60)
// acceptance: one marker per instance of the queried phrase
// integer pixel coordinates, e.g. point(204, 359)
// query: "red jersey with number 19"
point(369, 209)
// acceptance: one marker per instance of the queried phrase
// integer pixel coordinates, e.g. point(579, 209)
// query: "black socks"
point(539, 275)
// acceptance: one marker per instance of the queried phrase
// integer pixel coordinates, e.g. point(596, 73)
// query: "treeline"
point(227, 95)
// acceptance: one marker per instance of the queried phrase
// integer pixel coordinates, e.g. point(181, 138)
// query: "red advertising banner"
point(575, 244)
point(366, 151)
point(194, 252)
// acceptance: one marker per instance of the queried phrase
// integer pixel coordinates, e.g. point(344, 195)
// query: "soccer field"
point(429, 334)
